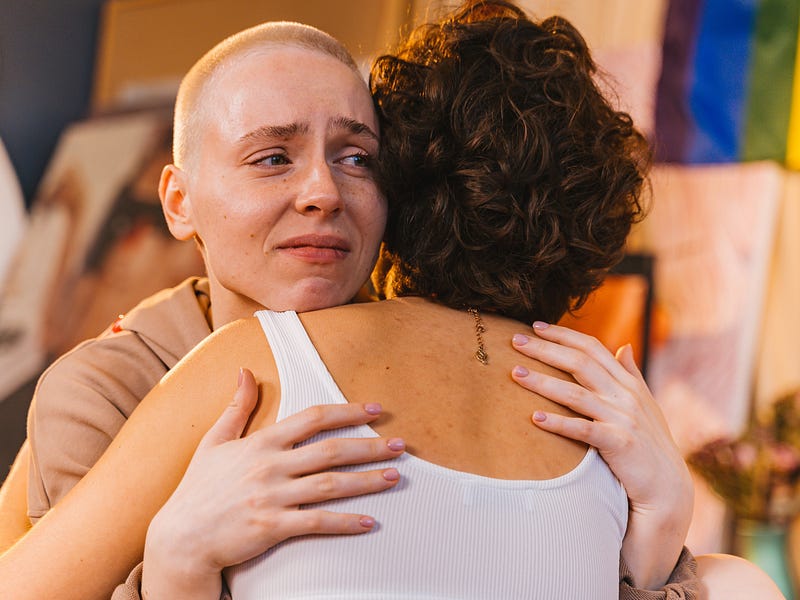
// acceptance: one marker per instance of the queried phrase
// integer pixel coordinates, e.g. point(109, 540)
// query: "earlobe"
point(176, 203)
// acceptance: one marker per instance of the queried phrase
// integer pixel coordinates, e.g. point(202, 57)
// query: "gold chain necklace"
point(480, 329)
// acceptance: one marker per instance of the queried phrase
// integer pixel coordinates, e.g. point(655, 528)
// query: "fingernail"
point(540, 325)
point(367, 522)
point(396, 444)
point(539, 416)
point(241, 377)
point(519, 371)
point(373, 408)
point(391, 475)
point(519, 339)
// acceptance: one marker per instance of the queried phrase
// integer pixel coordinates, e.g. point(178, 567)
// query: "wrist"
point(651, 557)
point(656, 536)
point(173, 568)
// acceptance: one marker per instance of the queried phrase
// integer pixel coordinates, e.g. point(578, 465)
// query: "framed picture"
point(621, 310)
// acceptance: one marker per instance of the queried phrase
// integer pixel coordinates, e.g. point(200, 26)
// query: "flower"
point(758, 473)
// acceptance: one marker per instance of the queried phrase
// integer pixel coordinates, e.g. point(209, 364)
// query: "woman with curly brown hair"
point(512, 186)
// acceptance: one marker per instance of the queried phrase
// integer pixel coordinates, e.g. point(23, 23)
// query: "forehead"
point(285, 84)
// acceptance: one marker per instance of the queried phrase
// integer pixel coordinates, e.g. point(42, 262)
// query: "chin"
point(314, 295)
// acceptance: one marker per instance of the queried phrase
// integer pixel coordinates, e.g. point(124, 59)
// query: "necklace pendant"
point(480, 329)
point(481, 355)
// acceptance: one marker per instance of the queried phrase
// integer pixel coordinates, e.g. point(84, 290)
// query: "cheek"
point(380, 212)
point(241, 221)
point(372, 215)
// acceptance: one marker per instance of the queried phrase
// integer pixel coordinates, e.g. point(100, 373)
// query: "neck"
point(228, 306)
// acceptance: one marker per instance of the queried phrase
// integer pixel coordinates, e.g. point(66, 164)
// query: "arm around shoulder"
point(88, 546)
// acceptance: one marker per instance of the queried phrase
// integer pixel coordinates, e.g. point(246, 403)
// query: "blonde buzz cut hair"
point(189, 103)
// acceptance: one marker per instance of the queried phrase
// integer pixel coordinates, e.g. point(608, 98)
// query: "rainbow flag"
point(729, 89)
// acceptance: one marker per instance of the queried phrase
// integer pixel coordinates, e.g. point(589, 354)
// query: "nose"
point(320, 194)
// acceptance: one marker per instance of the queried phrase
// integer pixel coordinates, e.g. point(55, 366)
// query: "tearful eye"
point(358, 160)
point(274, 160)
point(277, 159)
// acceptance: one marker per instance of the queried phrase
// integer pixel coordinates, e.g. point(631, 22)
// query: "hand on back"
point(241, 495)
point(619, 417)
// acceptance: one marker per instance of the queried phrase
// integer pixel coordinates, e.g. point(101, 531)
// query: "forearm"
point(58, 560)
point(89, 543)
point(14, 522)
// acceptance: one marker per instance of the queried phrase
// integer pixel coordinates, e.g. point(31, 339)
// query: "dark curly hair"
point(512, 182)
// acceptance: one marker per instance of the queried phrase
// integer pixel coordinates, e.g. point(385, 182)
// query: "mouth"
point(315, 248)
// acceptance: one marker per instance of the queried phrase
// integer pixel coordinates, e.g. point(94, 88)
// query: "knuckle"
point(268, 522)
point(330, 449)
point(535, 346)
point(266, 471)
point(626, 442)
point(593, 344)
point(326, 484)
point(254, 502)
point(312, 520)
point(583, 428)
point(251, 502)
point(629, 425)
point(315, 416)
point(582, 362)
point(378, 449)
point(576, 396)
point(629, 400)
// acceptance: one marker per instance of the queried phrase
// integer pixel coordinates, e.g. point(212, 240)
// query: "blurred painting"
point(96, 243)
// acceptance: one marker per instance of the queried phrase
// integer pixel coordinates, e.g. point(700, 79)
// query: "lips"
point(316, 248)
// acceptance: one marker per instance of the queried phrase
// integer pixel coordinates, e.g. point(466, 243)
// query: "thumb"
point(625, 357)
point(231, 423)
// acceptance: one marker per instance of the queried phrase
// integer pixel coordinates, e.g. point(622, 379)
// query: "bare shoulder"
point(356, 325)
point(237, 344)
point(199, 387)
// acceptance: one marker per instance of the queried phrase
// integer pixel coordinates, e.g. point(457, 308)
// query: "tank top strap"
point(305, 380)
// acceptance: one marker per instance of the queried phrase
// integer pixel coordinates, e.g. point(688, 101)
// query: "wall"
point(46, 62)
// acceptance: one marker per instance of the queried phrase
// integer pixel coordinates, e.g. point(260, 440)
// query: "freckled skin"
point(249, 192)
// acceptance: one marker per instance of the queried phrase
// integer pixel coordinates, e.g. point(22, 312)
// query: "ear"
point(173, 191)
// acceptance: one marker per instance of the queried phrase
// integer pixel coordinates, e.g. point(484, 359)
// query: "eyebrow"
point(353, 126)
point(271, 132)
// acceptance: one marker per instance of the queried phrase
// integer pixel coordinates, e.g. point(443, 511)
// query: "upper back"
point(417, 359)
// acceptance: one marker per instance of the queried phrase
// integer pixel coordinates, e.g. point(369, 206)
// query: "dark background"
point(47, 50)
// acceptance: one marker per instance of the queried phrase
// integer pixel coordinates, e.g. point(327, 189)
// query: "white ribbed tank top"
point(441, 533)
